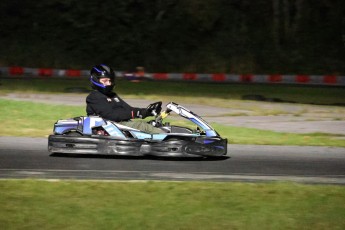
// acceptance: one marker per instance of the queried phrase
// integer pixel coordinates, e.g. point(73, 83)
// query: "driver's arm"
point(116, 111)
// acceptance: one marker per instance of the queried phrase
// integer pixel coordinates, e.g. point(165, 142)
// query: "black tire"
point(73, 134)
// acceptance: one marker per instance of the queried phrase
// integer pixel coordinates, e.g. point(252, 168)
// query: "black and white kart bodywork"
point(95, 135)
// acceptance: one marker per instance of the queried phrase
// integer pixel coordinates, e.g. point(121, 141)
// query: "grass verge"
point(32, 204)
point(192, 91)
point(37, 119)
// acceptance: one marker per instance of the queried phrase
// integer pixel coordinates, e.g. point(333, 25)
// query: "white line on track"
point(117, 175)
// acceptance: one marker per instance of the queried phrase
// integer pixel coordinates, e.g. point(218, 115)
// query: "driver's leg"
point(142, 125)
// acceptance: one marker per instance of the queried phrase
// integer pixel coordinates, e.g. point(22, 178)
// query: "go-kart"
point(95, 135)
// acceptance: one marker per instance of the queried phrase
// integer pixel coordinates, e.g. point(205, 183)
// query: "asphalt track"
point(24, 157)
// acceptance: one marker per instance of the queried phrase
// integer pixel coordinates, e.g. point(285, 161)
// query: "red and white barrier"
point(251, 78)
point(17, 71)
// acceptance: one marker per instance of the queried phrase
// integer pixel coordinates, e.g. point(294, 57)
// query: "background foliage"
point(235, 36)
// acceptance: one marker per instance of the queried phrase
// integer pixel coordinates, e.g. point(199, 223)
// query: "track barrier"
point(332, 80)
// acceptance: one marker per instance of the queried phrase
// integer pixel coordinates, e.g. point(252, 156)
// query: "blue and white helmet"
point(102, 71)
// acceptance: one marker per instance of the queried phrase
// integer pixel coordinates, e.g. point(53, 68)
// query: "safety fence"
point(332, 80)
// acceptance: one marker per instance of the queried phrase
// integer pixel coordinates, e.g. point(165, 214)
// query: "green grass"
point(37, 120)
point(194, 91)
point(33, 119)
point(32, 204)
point(241, 135)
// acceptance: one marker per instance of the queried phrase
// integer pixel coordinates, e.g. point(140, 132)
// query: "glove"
point(154, 108)
point(151, 110)
point(140, 113)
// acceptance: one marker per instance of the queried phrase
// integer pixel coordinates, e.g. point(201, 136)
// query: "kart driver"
point(108, 105)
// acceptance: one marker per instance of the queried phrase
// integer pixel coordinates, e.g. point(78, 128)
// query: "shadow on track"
point(146, 157)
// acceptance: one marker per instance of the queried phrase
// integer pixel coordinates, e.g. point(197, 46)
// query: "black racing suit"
point(112, 107)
